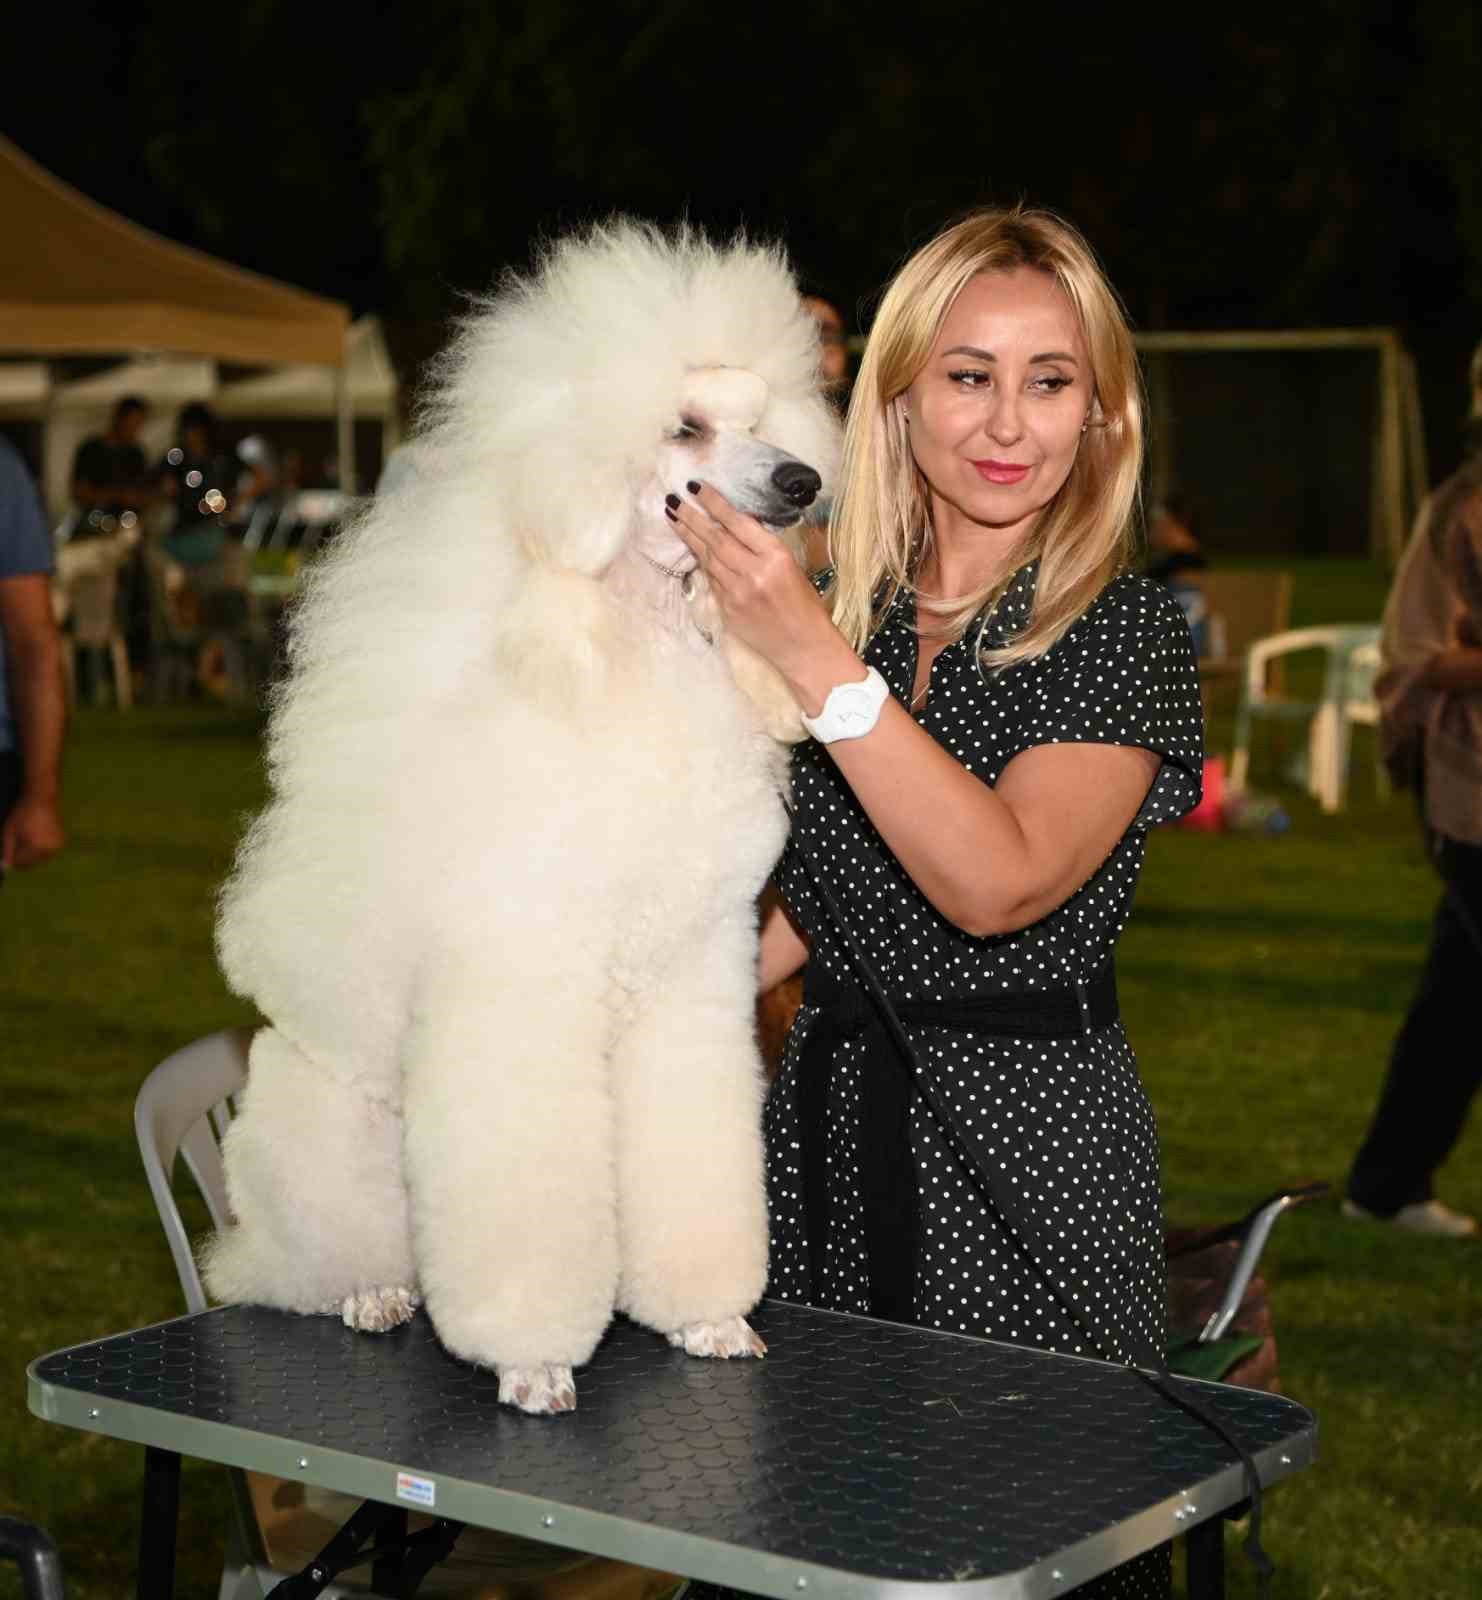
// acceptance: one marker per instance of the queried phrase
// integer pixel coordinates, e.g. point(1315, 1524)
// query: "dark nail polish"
point(693, 487)
point(668, 513)
point(672, 500)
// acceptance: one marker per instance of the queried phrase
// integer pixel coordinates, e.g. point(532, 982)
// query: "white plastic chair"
point(1352, 652)
point(86, 593)
point(1358, 704)
point(182, 1111)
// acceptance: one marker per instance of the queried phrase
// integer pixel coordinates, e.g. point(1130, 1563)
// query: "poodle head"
point(631, 362)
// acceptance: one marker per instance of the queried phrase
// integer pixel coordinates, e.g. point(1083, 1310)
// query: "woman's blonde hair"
point(881, 524)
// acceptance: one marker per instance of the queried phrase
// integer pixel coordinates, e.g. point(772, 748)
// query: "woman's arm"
point(994, 860)
point(33, 654)
point(784, 951)
point(990, 860)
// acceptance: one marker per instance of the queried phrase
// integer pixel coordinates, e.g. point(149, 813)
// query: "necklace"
point(686, 588)
point(658, 566)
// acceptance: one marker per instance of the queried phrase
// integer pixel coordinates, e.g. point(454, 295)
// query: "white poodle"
point(499, 910)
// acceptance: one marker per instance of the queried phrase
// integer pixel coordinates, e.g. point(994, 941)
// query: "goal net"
point(1294, 443)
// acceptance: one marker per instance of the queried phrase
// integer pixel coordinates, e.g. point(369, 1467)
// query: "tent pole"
point(344, 405)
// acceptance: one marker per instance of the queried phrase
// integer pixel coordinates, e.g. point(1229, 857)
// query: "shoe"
point(1424, 1216)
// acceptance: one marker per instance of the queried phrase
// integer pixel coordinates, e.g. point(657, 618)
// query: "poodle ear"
point(560, 643)
point(571, 531)
point(764, 687)
point(759, 681)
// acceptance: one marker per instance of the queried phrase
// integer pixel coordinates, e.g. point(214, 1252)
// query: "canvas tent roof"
point(301, 389)
point(78, 278)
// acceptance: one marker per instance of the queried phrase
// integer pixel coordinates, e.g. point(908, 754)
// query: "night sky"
point(1318, 165)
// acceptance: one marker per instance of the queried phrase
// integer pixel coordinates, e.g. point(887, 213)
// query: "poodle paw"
point(376, 1310)
point(538, 1390)
point(733, 1337)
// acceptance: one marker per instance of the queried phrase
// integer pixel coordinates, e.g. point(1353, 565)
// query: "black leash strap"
point(918, 1074)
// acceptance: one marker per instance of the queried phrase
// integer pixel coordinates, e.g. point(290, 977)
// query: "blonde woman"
point(1000, 711)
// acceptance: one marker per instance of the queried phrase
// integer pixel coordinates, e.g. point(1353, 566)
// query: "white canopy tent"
point(83, 407)
point(301, 389)
point(78, 279)
point(366, 386)
point(24, 389)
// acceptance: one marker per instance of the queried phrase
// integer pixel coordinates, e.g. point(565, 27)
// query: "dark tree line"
point(1319, 164)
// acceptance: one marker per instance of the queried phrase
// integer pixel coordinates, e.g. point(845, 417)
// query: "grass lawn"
point(1262, 981)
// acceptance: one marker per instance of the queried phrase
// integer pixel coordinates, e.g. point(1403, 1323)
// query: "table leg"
point(158, 1524)
point(1204, 1550)
point(386, 1569)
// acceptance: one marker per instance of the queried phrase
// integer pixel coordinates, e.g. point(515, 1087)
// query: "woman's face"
point(996, 414)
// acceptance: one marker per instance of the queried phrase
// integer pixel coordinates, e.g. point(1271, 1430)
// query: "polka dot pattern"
point(1064, 1121)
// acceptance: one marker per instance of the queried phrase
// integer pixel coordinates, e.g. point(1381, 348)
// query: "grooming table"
point(860, 1458)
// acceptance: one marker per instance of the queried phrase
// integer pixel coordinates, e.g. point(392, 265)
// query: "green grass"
point(1262, 979)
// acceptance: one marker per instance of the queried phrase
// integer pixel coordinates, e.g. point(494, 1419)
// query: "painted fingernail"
point(668, 513)
point(693, 487)
point(672, 500)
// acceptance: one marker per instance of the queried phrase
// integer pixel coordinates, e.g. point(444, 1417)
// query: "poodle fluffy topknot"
point(499, 910)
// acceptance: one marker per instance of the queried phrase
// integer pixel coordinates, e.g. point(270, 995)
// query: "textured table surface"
point(859, 1458)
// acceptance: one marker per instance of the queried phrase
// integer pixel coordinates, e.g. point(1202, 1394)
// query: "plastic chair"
point(182, 1112)
point(87, 589)
point(1347, 697)
point(1358, 704)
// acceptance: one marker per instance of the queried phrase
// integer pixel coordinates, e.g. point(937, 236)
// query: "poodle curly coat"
point(499, 911)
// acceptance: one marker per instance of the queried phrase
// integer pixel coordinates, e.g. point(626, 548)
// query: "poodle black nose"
point(797, 484)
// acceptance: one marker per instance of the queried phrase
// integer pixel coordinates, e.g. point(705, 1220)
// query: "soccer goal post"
point(1302, 441)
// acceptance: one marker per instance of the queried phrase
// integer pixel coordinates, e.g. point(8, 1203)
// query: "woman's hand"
point(764, 596)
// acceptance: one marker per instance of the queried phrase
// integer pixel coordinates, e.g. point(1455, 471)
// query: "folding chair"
point(1221, 1325)
point(182, 1111)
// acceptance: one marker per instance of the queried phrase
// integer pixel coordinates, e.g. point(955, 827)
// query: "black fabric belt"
point(888, 1186)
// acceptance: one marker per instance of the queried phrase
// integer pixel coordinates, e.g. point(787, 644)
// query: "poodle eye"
point(688, 429)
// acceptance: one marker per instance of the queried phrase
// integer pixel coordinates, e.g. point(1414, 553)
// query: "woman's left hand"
point(765, 597)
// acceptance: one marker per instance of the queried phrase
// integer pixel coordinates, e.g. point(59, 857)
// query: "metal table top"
point(860, 1458)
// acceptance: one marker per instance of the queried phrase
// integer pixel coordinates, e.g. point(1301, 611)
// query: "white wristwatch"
point(851, 709)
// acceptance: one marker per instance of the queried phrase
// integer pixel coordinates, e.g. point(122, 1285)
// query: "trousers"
point(1435, 1067)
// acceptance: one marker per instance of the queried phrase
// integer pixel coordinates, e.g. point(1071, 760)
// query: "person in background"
point(1175, 559)
point(256, 499)
point(198, 479)
point(110, 478)
point(1430, 704)
point(834, 369)
point(834, 338)
point(111, 488)
point(32, 698)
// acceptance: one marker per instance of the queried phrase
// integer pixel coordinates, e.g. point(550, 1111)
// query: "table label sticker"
point(420, 1491)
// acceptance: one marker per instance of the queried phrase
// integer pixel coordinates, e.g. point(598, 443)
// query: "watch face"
point(852, 711)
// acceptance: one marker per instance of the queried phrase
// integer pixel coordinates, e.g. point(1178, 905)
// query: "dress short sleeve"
point(1125, 674)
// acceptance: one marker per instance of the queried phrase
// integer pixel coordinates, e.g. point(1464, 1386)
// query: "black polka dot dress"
point(1064, 1120)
